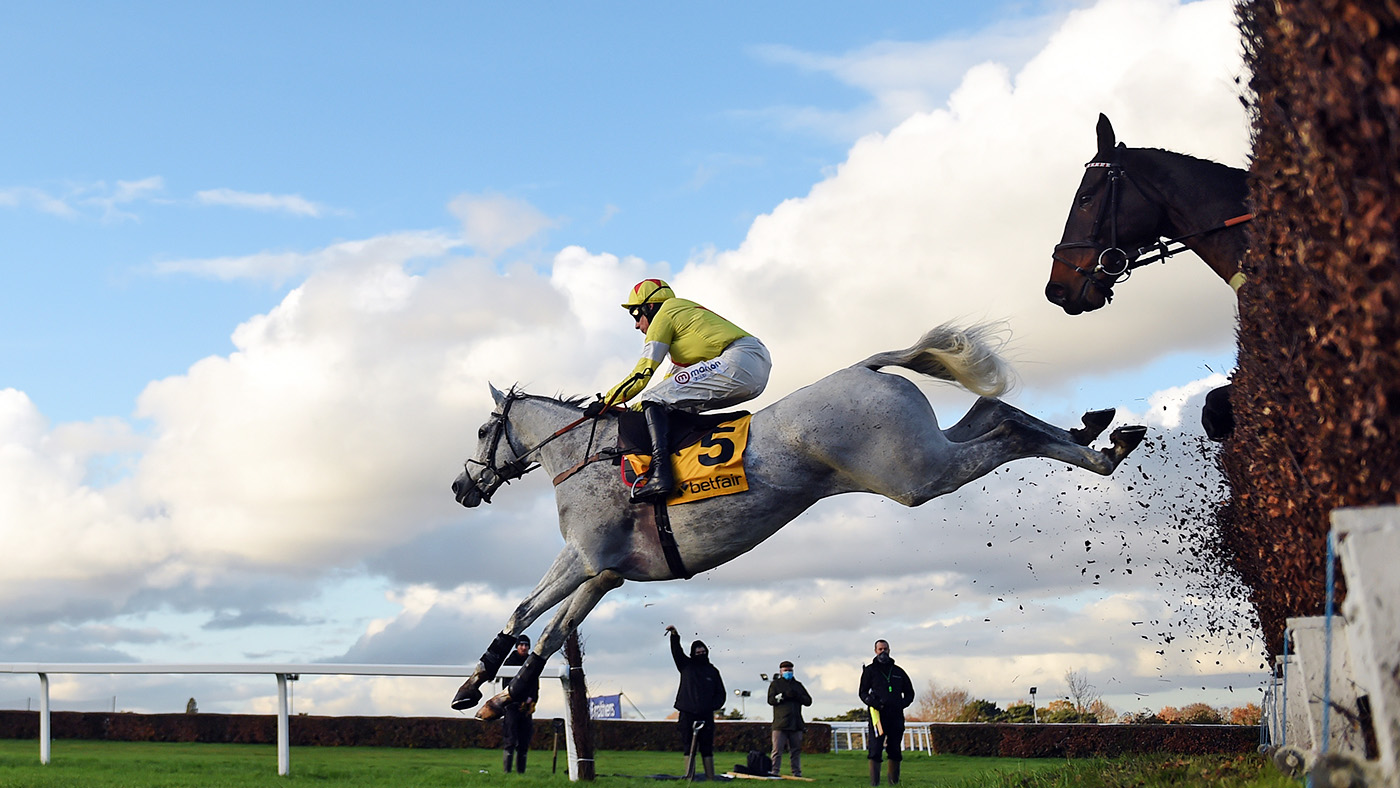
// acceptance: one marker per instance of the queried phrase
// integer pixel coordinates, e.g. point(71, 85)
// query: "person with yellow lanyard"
point(715, 364)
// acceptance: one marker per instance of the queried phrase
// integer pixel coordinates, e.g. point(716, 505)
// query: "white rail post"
point(284, 757)
point(44, 727)
point(1369, 547)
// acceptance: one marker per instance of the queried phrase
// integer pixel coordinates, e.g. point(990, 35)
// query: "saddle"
point(685, 428)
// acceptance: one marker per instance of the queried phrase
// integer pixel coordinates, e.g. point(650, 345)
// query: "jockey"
point(714, 364)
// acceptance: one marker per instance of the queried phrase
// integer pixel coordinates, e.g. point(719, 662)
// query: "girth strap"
point(668, 541)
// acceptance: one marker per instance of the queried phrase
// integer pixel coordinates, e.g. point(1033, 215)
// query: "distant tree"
point(939, 705)
point(1102, 712)
point(1169, 714)
point(1081, 692)
point(980, 711)
point(1144, 717)
point(1018, 712)
point(732, 714)
point(1200, 714)
point(1248, 714)
point(854, 715)
point(191, 707)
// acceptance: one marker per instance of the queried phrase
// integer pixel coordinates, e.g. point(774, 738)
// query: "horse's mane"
point(1218, 168)
point(574, 400)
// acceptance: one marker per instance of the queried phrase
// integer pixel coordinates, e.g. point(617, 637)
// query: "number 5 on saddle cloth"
point(707, 456)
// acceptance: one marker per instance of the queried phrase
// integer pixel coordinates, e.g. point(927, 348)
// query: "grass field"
point(99, 764)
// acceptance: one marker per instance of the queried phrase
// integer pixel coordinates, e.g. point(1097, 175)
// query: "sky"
point(262, 261)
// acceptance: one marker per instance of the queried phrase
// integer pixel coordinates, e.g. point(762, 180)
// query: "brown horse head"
point(1112, 217)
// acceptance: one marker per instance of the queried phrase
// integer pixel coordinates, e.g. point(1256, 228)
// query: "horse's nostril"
point(457, 487)
point(1055, 293)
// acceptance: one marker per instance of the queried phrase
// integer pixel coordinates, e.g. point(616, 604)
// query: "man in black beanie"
point(700, 695)
point(518, 722)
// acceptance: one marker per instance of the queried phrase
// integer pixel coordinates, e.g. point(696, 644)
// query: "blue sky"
point(261, 262)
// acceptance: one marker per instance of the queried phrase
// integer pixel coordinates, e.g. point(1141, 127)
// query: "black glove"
point(594, 409)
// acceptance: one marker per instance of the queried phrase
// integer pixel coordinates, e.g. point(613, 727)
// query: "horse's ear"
point(497, 395)
point(1106, 137)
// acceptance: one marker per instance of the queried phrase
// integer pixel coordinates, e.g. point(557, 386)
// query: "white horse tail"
point(966, 356)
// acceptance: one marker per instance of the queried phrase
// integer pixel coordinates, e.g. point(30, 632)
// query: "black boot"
point(659, 480)
point(874, 772)
point(506, 759)
point(469, 694)
point(894, 772)
point(520, 759)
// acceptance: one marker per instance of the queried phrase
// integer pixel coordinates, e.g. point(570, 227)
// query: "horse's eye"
point(481, 434)
point(1085, 199)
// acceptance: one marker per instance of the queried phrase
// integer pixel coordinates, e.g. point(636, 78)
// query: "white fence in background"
point(280, 671)
point(1338, 666)
point(851, 736)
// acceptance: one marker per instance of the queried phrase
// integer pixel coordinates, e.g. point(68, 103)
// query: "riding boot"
point(874, 772)
point(894, 772)
point(506, 759)
point(520, 759)
point(659, 480)
point(709, 766)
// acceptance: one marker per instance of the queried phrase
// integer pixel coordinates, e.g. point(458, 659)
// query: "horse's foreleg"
point(566, 619)
point(563, 577)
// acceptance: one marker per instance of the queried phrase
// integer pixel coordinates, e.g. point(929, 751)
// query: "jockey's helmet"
point(648, 291)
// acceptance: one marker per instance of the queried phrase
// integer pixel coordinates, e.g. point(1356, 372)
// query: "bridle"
point(1114, 264)
point(507, 472)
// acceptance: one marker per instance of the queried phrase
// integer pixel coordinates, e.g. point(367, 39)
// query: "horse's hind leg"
point(986, 413)
point(567, 618)
point(564, 576)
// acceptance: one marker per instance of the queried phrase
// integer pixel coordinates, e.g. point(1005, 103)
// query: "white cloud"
point(288, 203)
point(278, 267)
point(493, 223)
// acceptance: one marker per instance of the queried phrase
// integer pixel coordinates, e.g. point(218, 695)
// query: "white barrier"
point(916, 736)
point(1345, 662)
point(281, 671)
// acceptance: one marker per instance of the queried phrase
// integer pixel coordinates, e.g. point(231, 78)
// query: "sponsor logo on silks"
point(714, 466)
point(697, 372)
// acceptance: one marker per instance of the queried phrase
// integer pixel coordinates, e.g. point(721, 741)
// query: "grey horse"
point(856, 430)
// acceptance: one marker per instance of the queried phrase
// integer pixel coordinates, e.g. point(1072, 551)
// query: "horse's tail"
point(966, 356)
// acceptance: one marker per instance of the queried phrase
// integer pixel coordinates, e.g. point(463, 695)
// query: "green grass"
point(100, 764)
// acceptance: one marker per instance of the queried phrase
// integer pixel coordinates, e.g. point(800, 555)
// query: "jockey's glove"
point(595, 409)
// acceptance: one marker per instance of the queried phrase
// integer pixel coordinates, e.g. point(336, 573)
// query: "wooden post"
point(580, 725)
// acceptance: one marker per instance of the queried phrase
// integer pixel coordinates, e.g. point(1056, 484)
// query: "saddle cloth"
point(709, 465)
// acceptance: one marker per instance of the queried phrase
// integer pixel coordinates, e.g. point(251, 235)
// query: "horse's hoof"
point(494, 707)
point(1125, 439)
point(1095, 422)
point(467, 696)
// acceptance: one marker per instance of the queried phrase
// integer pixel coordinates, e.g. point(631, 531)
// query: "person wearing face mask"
point(787, 696)
point(518, 721)
point(886, 689)
point(700, 695)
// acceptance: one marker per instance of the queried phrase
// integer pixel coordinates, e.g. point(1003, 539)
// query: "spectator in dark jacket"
point(699, 696)
point(518, 721)
point(886, 689)
point(787, 696)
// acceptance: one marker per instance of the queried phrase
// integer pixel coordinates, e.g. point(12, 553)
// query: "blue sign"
point(605, 707)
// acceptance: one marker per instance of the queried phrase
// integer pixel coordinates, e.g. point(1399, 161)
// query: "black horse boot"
point(894, 772)
point(874, 772)
point(659, 480)
point(469, 694)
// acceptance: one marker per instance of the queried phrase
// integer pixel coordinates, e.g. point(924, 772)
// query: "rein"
point(1114, 265)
